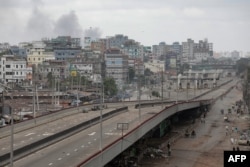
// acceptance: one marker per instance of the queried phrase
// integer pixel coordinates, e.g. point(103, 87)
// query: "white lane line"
point(68, 154)
point(75, 150)
point(94, 139)
point(82, 146)
point(50, 164)
point(93, 133)
point(47, 134)
point(89, 142)
point(113, 134)
point(29, 134)
point(22, 141)
point(59, 159)
point(3, 148)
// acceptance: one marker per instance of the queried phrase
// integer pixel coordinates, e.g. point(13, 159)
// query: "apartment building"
point(14, 70)
point(38, 56)
point(116, 41)
point(160, 50)
point(133, 49)
point(58, 68)
point(116, 65)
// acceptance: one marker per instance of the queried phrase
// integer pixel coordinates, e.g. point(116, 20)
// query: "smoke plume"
point(68, 25)
point(94, 33)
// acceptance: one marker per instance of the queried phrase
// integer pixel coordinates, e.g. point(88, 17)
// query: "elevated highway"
point(86, 143)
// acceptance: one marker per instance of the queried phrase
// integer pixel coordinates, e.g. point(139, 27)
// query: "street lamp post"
point(12, 137)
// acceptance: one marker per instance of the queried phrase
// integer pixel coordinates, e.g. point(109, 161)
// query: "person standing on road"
point(169, 149)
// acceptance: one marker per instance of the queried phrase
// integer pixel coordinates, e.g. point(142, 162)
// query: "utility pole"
point(162, 88)
point(12, 137)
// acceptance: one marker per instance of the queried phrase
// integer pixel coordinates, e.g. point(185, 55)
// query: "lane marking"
point(59, 159)
point(82, 146)
point(113, 134)
point(29, 134)
point(75, 150)
point(47, 134)
point(50, 164)
point(93, 133)
point(89, 142)
point(68, 154)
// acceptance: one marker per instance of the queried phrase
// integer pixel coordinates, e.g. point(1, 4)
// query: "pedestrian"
point(238, 149)
point(168, 145)
point(233, 148)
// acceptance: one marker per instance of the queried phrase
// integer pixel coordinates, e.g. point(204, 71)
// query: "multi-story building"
point(116, 65)
point(62, 42)
point(38, 56)
point(116, 42)
point(58, 68)
point(19, 52)
point(98, 46)
point(196, 52)
point(133, 49)
point(64, 47)
point(67, 53)
point(14, 70)
point(176, 47)
point(187, 51)
point(160, 50)
point(4, 47)
point(83, 68)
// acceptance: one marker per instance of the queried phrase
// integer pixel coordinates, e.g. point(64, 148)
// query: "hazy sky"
point(226, 23)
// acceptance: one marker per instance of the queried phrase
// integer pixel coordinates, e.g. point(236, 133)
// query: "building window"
point(16, 66)
point(21, 66)
point(7, 66)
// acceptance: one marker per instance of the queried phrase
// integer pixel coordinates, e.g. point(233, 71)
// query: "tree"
point(148, 72)
point(110, 87)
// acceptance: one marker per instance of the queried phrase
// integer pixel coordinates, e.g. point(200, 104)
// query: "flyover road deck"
point(73, 150)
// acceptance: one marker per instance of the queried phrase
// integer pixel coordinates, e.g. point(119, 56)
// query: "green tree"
point(148, 72)
point(110, 87)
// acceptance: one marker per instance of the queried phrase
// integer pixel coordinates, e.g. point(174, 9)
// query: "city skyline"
point(223, 22)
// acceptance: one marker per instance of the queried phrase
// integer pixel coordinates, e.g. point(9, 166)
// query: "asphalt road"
point(71, 151)
point(80, 146)
point(206, 149)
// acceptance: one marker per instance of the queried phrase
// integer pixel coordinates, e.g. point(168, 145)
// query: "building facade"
point(116, 65)
point(14, 70)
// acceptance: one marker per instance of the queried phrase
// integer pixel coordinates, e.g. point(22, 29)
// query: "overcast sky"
point(226, 23)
